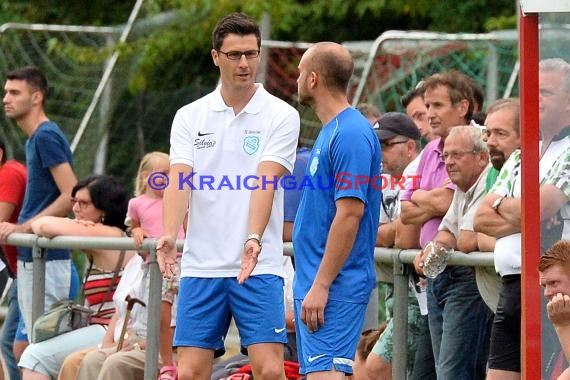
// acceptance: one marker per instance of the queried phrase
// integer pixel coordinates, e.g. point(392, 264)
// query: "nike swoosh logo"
point(279, 331)
point(204, 134)
point(311, 359)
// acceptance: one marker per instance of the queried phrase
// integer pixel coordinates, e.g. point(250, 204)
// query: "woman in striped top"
point(99, 205)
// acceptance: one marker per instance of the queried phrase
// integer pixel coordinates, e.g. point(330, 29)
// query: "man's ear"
point(463, 107)
point(313, 79)
point(37, 97)
point(411, 146)
point(215, 57)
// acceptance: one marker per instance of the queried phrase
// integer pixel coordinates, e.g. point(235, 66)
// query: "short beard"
point(498, 162)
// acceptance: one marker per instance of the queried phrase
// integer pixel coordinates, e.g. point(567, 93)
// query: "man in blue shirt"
point(48, 188)
point(335, 228)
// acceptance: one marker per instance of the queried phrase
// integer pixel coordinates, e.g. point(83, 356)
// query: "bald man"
point(335, 229)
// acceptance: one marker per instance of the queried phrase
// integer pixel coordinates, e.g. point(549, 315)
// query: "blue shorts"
point(333, 345)
point(206, 306)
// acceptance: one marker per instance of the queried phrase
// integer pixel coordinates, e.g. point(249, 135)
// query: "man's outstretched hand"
point(166, 256)
point(251, 251)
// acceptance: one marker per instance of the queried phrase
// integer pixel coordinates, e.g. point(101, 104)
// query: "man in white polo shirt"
point(241, 140)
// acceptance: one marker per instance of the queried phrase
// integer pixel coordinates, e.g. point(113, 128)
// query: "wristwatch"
point(256, 237)
point(497, 203)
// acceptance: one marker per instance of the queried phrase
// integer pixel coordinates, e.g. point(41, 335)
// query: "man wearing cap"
point(400, 141)
point(399, 137)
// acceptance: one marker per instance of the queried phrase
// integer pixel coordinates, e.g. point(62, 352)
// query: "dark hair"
point(35, 78)
point(479, 117)
point(107, 195)
point(478, 95)
point(416, 92)
point(512, 104)
point(3, 149)
point(459, 87)
point(234, 23)
point(558, 254)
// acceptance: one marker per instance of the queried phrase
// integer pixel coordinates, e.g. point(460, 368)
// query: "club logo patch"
point(251, 144)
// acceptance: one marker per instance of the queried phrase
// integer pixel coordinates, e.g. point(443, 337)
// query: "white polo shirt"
point(224, 149)
point(508, 248)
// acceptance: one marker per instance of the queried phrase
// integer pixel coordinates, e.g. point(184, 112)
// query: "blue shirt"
point(293, 188)
point(46, 148)
point(348, 152)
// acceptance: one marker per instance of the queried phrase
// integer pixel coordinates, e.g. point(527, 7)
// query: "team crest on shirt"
point(314, 165)
point(250, 144)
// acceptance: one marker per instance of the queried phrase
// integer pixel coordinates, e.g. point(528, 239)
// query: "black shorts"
point(505, 349)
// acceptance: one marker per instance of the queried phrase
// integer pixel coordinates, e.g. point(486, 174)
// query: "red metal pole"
point(531, 305)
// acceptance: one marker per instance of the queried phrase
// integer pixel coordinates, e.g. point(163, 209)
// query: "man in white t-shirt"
point(228, 152)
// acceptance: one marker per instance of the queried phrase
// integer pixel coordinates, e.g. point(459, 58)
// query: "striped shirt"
point(97, 295)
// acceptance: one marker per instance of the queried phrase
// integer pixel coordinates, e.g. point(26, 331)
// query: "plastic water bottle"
point(436, 260)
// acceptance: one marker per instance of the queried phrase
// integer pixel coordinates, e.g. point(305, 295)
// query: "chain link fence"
point(125, 126)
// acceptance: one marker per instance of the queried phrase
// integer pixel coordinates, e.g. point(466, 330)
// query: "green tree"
point(173, 59)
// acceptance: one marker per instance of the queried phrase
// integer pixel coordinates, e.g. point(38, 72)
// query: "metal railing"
point(39, 244)
point(399, 258)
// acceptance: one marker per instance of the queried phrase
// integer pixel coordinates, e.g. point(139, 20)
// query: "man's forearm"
point(60, 207)
point(386, 235)
point(174, 210)
point(407, 235)
point(413, 214)
point(261, 199)
point(510, 210)
point(433, 202)
point(491, 222)
point(467, 241)
point(340, 241)
point(485, 242)
point(260, 205)
point(175, 202)
point(563, 333)
point(6, 211)
point(447, 238)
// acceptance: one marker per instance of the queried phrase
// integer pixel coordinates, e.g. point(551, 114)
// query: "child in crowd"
point(365, 344)
point(144, 218)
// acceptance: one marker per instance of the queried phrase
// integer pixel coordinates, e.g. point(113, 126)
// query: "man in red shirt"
point(12, 190)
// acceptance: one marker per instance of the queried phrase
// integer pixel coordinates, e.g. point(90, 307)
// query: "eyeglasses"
point(235, 55)
point(457, 155)
point(82, 203)
point(386, 144)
